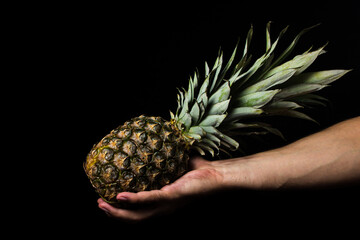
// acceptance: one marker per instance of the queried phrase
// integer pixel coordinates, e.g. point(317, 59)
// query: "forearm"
point(327, 157)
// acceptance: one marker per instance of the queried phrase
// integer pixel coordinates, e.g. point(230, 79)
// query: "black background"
point(94, 67)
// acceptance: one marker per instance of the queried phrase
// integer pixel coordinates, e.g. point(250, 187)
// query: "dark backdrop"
point(101, 65)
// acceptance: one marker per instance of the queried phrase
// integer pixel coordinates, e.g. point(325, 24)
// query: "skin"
point(329, 157)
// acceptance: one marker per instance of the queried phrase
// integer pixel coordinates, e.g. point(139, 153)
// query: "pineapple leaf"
point(232, 144)
point(298, 89)
point(289, 49)
point(226, 68)
point(213, 138)
point(256, 99)
point(320, 77)
point(240, 112)
point(300, 62)
point(281, 106)
point(310, 99)
point(203, 88)
point(227, 94)
point(212, 120)
point(219, 108)
point(199, 150)
point(207, 70)
point(197, 130)
point(195, 113)
point(221, 94)
point(296, 114)
point(186, 120)
point(306, 101)
point(275, 79)
point(216, 71)
point(268, 40)
point(206, 147)
point(248, 40)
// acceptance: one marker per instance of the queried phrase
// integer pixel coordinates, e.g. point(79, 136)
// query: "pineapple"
point(148, 153)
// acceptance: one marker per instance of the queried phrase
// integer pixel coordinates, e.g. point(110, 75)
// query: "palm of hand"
point(201, 179)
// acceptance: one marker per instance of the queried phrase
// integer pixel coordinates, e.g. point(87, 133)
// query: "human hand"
point(201, 179)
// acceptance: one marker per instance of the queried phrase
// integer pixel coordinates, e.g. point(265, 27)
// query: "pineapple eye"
point(154, 142)
point(138, 166)
point(121, 160)
point(115, 143)
point(127, 175)
point(109, 173)
point(139, 136)
point(105, 141)
point(171, 166)
point(144, 153)
point(153, 127)
point(94, 171)
point(129, 148)
point(168, 150)
point(124, 133)
point(158, 160)
point(107, 154)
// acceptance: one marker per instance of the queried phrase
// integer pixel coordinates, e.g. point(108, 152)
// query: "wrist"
point(259, 171)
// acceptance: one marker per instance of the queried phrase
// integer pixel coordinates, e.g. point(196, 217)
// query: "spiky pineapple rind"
point(143, 154)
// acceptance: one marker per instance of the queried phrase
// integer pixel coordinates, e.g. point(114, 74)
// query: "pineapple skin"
point(146, 153)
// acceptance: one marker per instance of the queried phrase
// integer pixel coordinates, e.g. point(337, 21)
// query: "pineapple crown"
point(215, 107)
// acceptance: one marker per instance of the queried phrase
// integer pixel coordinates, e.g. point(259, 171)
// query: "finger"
point(143, 197)
point(126, 214)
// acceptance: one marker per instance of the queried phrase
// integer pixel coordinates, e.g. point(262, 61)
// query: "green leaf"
point(275, 79)
point(289, 49)
point(207, 70)
point(198, 149)
point(219, 108)
point(213, 138)
point(213, 120)
point(224, 138)
point(257, 99)
point(298, 89)
point(246, 75)
point(226, 68)
point(202, 110)
point(215, 72)
point(205, 147)
point(194, 136)
point(186, 120)
point(221, 94)
point(172, 116)
point(210, 143)
point(248, 41)
point(203, 99)
point(196, 80)
point(195, 113)
point(190, 92)
point(281, 106)
point(299, 62)
point(203, 88)
point(296, 114)
point(197, 130)
point(310, 100)
point(258, 63)
point(233, 144)
point(241, 112)
point(268, 40)
point(320, 77)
